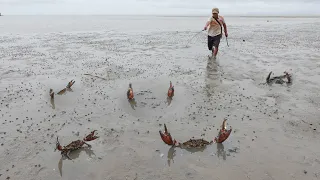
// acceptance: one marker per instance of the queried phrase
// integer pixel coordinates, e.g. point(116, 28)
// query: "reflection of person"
point(215, 23)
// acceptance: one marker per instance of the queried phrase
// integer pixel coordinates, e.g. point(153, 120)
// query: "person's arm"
point(225, 27)
point(206, 26)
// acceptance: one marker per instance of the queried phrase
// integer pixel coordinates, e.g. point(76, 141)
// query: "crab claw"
point(91, 136)
point(58, 146)
point(288, 76)
point(223, 133)
point(51, 94)
point(171, 90)
point(166, 137)
point(130, 92)
point(268, 78)
point(70, 83)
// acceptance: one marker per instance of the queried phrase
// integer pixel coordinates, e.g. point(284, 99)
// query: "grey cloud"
point(23, 2)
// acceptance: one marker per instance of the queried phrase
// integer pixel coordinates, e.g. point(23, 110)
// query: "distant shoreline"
point(151, 15)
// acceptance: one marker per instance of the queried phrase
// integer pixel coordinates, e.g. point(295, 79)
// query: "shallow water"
point(276, 128)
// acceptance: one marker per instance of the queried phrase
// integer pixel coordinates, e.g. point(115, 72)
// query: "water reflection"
point(221, 152)
point(74, 155)
point(52, 103)
point(169, 99)
point(194, 150)
point(171, 154)
point(133, 103)
point(212, 76)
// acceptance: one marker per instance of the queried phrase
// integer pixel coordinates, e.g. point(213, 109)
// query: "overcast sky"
point(161, 7)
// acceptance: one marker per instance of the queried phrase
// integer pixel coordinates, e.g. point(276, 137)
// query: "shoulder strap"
point(219, 24)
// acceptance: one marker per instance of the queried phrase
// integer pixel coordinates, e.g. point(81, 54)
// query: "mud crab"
point(130, 92)
point(171, 90)
point(195, 143)
point(74, 145)
point(279, 79)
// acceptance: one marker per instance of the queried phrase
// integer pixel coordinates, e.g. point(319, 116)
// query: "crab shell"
point(195, 143)
point(74, 145)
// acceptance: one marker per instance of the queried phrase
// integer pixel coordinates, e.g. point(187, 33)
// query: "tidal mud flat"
point(276, 128)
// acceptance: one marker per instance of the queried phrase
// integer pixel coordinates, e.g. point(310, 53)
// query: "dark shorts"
point(214, 41)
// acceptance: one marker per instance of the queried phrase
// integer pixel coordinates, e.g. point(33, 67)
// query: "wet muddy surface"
point(276, 128)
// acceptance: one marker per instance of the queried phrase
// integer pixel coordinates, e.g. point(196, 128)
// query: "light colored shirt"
point(214, 27)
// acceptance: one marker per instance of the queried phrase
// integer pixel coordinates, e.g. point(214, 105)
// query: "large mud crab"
point(195, 143)
point(74, 145)
point(286, 78)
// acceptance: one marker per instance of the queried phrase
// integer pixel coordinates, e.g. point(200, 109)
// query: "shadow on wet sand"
point(74, 155)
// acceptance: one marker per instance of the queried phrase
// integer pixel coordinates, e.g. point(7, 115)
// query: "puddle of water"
point(150, 98)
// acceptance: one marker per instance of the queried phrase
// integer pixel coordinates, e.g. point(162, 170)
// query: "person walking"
point(215, 23)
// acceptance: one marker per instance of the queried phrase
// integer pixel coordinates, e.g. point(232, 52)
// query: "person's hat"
point(215, 10)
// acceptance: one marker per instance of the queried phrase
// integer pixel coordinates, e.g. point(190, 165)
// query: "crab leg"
point(62, 91)
point(87, 144)
point(67, 154)
point(268, 78)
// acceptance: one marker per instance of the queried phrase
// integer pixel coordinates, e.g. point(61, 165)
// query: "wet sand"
point(276, 128)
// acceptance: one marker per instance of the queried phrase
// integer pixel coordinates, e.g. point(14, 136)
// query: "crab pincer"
point(268, 77)
point(171, 90)
point(70, 83)
point(223, 133)
point(166, 137)
point(130, 92)
point(91, 136)
point(51, 93)
point(288, 76)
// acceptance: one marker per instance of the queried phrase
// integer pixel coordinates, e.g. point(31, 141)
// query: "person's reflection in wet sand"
point(221, 151)
point(212, 76)
point(133, 103)
point(74, 155)
point(171, 154)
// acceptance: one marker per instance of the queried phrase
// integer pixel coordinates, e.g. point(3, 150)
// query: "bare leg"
point(215, 51)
